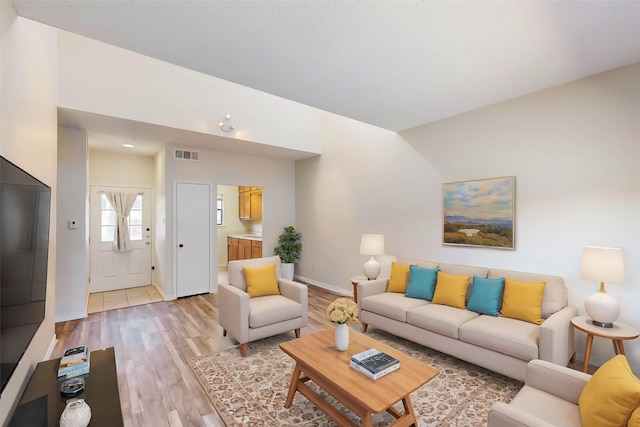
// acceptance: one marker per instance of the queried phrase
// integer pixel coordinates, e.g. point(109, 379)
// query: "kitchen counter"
point(245, 236)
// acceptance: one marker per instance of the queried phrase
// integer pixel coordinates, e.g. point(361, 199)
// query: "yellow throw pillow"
point(634, 421)
point(523, 300)
point(399, 278)
point(261, 281)
point(610, 396)
point(451, 290)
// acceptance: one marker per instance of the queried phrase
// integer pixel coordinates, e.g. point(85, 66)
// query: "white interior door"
point(112, 270)
point(193, 239)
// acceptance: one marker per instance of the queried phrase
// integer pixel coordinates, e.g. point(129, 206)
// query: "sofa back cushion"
point(555, 292)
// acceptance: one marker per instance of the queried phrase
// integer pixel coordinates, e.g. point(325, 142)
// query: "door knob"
point(181, 245)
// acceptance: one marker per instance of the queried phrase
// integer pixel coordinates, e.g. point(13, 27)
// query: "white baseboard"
point(71, 316)
point(52, 345)
point(326, 286)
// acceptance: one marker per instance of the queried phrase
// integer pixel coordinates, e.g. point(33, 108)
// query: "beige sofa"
point(501, 344)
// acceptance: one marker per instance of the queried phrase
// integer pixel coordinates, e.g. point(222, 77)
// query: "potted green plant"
point(288, 249)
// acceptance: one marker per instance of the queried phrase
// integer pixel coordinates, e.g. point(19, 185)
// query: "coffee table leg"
point(294, 384)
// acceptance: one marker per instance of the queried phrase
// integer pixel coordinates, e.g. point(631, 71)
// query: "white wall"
point(276, 176)
point(159, 253)
point(72, 272)
point(121, 170)
point(103, 79)
point(28, 133)
point(573, 149)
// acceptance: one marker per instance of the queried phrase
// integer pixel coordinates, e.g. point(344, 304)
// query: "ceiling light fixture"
point(128, 145)
point(225, 125)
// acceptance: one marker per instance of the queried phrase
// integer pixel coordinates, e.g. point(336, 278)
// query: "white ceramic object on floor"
point(76, 414)
point(287, 270)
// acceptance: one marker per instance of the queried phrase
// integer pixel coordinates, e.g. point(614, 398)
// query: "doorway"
point(112, 269)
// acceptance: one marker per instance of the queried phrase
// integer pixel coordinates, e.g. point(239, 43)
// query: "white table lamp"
point(372, 244)
point(602, 265)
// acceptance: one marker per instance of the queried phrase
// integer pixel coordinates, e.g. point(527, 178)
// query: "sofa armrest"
point(371, 287)
point(560, 381)
point(297, 292)
point(503, 415)
point(233, 312)
point(556, 337)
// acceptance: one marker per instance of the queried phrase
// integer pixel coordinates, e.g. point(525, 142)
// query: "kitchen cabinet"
point(232, 243)
point(250, 203)
point(239, 248)
point(256, 249)
point(244, 249)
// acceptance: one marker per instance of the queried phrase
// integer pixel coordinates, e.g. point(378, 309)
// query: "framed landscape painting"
point(479, 213)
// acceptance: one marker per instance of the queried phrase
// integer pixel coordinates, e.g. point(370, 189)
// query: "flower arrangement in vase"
point(342, 311)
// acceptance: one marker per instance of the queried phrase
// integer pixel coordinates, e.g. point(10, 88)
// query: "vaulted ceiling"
point(392, 64)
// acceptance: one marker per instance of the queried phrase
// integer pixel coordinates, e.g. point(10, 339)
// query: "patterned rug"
point(251, 391)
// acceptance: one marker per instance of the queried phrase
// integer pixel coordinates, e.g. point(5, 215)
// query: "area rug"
point(251, 391)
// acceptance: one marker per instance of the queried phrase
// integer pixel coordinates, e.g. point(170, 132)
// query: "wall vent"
point(186, 154)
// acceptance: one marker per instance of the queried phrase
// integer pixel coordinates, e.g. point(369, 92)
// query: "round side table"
point(354, 281)
point(617, 334)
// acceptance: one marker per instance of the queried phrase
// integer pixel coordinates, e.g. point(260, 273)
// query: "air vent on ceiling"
point(186, 154)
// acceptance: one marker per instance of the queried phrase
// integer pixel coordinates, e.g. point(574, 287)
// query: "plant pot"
point(287, 270)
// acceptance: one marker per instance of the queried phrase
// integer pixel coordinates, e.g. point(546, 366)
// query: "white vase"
point(76, 414)
point(287, 270)
point(342, 337)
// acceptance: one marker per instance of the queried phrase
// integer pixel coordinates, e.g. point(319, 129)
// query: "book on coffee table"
point(375, 362)
point(373, 376)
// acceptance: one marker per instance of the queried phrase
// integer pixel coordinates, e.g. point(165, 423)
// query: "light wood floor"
point(152, 345)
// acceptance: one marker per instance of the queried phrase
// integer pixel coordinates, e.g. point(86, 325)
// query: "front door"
point(110, 269)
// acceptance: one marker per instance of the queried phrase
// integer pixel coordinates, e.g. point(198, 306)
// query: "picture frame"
point(479, 213)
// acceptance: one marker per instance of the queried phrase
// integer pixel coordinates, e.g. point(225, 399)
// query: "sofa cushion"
point(509, 336)
point(422, 282)
point(271, 309)
point(486, 295)
point(441, 319)
point(610, 396)
point(391, 304)
point(555, 292)
point(523, 300)
point(399, 278)
point(261, 281)
point(451, 290)
point(557, 411)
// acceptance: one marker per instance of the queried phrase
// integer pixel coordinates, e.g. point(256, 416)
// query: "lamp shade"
point(372, 244)
point(601, 264)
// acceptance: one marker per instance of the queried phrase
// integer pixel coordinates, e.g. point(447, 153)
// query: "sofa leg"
point(297, 331)
point(224, 332)
point(243, 348)
point(364, 327)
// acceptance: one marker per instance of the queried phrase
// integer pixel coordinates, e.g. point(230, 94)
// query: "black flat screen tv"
point(25, 205)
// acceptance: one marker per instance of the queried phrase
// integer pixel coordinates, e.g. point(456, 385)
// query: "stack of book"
point(374, 363)
point(74, 362)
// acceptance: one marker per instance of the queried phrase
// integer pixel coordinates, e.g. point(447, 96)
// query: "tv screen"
point(24, 248)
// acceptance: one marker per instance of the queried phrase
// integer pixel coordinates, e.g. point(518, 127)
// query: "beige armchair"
point(249, 319)
point(549, 398)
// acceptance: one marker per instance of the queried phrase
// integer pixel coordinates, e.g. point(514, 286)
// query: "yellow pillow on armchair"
point(611, 395)
point(261, 281)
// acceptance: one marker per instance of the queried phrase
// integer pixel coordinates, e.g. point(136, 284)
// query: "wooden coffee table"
point(318, 360)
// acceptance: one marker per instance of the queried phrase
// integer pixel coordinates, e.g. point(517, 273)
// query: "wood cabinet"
point(243, 248)
point(232, 243)
point(250, 203)
point(256, 249)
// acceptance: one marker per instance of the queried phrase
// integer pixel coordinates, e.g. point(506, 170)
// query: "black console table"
point(42, 404)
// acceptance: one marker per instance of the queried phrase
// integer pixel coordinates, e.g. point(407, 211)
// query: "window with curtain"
point(109, 216)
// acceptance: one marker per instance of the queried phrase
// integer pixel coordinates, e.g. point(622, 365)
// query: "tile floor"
point(103, 301)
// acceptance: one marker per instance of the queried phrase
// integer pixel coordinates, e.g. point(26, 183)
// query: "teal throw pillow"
point(422, 282)
point(486, 296)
